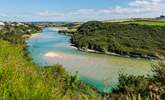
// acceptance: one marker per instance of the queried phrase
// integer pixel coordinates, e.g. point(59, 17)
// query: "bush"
point(132, 84)
point(150, 87)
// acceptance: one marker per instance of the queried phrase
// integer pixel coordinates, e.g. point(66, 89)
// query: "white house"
point(20, 24)
point(2, 24)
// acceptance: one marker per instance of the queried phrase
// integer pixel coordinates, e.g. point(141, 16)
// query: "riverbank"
point(34, 35)
point(22, 78)
point(62, 31)
point(121, 39)
point(101, 71)
point(119, 55)
point(58, 28)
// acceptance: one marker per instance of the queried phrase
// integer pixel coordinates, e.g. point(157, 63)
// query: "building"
point(2, 24)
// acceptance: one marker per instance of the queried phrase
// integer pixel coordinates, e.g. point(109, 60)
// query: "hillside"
point(131, 39)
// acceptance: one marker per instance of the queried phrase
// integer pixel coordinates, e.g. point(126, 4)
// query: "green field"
point(146, 22)
point(139, 21)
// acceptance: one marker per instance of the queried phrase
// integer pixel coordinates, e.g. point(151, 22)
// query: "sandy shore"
point(53, 55)
point(58, 28)
point(34, 35)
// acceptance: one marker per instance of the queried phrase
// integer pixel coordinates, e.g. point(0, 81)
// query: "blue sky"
point(78, 10)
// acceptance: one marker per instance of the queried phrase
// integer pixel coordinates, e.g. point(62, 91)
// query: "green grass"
point(141, 22)
point(21, 79)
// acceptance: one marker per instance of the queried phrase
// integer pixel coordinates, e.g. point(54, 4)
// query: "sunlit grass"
point(140, 22)
point(147, 22)
point(21, 79)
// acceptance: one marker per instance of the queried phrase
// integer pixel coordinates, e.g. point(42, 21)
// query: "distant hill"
point(55, 24)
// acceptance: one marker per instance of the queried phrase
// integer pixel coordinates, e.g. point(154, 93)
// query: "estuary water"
point(99, 70)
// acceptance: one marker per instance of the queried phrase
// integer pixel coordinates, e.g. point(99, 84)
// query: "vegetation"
point(70, 31)
point(14, 33)
point(162, 17)
point(146, 22)
point(21, 79)
point(126, 39)
point(144, 88)
point(71, 28)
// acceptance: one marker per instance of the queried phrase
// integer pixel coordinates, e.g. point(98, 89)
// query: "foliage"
point(14, 32)
point(125, 39)
point(150, 88)
point(158, 78)
point(138, 97)
point(132, 84)
point(159, 75)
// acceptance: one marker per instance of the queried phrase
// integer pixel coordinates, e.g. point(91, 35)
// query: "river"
point(99, 70)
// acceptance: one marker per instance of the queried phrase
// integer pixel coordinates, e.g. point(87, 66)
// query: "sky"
point(79, 10)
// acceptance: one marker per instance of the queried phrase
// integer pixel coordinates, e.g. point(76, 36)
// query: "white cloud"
point(148, 5)
point(135, 8)
point(51, 14)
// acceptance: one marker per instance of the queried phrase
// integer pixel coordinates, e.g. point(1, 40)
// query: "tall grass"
point(22, 80)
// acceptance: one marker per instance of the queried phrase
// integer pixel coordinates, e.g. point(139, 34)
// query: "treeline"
point(125, 39)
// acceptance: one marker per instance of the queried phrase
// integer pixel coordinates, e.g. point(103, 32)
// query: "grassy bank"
point(22, 79)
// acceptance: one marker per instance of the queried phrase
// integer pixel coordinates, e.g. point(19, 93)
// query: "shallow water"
point(49, 47)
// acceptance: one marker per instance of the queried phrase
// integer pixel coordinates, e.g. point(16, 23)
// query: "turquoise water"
point(99, 70)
